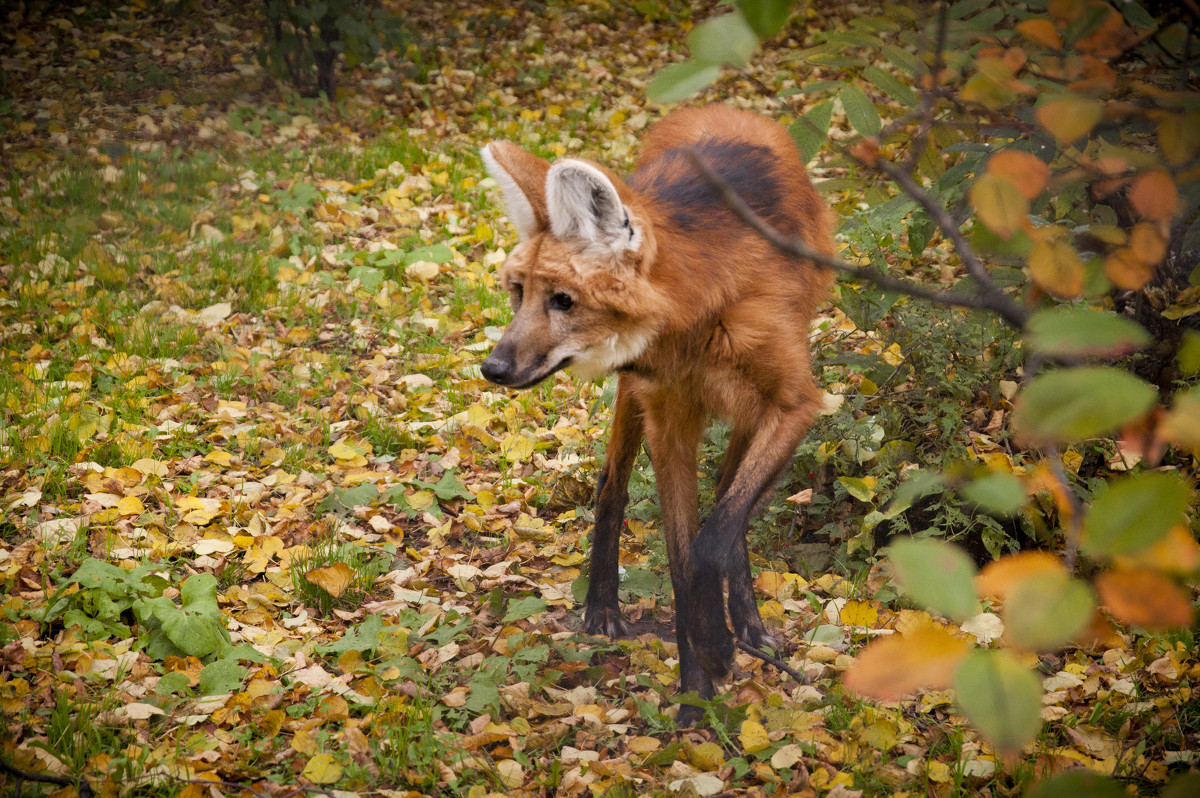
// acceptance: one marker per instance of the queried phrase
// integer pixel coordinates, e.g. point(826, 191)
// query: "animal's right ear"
point(522, 176)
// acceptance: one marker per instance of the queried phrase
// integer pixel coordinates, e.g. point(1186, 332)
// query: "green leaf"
point(1083, 332)
point(857, 488)
point(1189, 353)
point(222, 676)
point(448, 487)
point(810, 130)
point(999, 493)
point(918, 485)
point(435, 253)
point(1047, 611)
point(199, 594)
point(369, 277)
point(1001, 697)
point(905, 60)
point(723, 40)
point(680, 81)
point(1135, 512)
point(1079, 784)
point(766, 17)
point(860, 111)
point(890, 85)
point(524, 608)
point(937, 575)
point(1073, 404)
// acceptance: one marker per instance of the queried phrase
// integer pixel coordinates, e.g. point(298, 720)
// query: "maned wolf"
point(656, 279)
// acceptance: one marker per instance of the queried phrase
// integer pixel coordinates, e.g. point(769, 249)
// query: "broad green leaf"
point(766, 17)
point(860, 111)
point(890, 85)
point(435, 253)
point(858, 488)
point(199, 594)
point(728, 39)
point(1189, 353)
point(1001, 697)
point(1073, 404)
point(1046, 611)
point(368, 276)
point(997, 492)
point(907, 61)
point(810, 130)
point(1083, 332)
point(1078, 784)
point(680, 81)
point(1134, 513)
point(222, 676)
point(524, 608)
point(937, 575)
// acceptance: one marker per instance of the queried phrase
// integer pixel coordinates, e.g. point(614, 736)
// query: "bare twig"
point(778, 663)
point(994, 300)
point(927, 96)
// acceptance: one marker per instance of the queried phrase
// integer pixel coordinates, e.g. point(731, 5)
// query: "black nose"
point(497, 368)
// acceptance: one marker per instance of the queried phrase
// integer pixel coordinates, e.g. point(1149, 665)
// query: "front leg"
point(719, 551)
point(602, 611)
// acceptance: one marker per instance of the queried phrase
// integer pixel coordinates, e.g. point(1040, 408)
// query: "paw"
point(751, 631)
point(688, 716)
point(606, 621)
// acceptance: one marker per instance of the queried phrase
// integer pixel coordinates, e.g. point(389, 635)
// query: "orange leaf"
point(999, 577)
point(1153, 196)
point(1069, 118)
point(999, 203)
point(1040, 31)
point(1126, 270)
point(333, 578)
point(1147, 245)
point(1057, 268)
point(896, 666)
point(1176, 552)
point(1027, 172)
point(1144, 598)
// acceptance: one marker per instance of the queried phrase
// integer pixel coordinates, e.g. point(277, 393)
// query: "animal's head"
point(578, 277)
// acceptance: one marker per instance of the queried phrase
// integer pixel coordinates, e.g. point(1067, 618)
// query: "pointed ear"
point(584, 205)
point(522, 176)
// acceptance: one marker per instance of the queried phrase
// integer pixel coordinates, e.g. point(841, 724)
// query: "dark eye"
point(561, 301)
point(517, 291)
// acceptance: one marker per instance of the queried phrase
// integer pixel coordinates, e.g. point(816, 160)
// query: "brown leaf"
point(896, 666)
point(1040, 31)
point(1026, 171)
point(1154, 196)
point(1126, 270)
point(999, 577)
point(1143, 598)
point(1147, 245)
point(334, 579)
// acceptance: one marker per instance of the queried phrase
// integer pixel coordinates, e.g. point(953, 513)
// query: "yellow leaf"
point(938, 772)
point(1069, 118)
point(1057, 268)
point(706, 756)
point(1179, 137)
point(150, 467)
point(510, 772)
point(516, 447)
point(643, 745)
point(130, 505)
point(1177, 552)
point(859, 613)
point(999, 203)
point(322, 769)
point(892, 667)
point(753, 737)
point(219, 457)
point(334, 579)
point(421, 500)
point(349, 450)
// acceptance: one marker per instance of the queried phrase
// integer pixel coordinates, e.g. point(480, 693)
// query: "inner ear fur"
point(522, 177)
point(588, 203)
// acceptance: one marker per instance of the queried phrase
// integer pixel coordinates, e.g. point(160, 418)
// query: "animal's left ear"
point(584, 206)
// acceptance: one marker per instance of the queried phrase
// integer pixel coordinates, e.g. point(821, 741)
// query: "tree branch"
point(993, 300)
